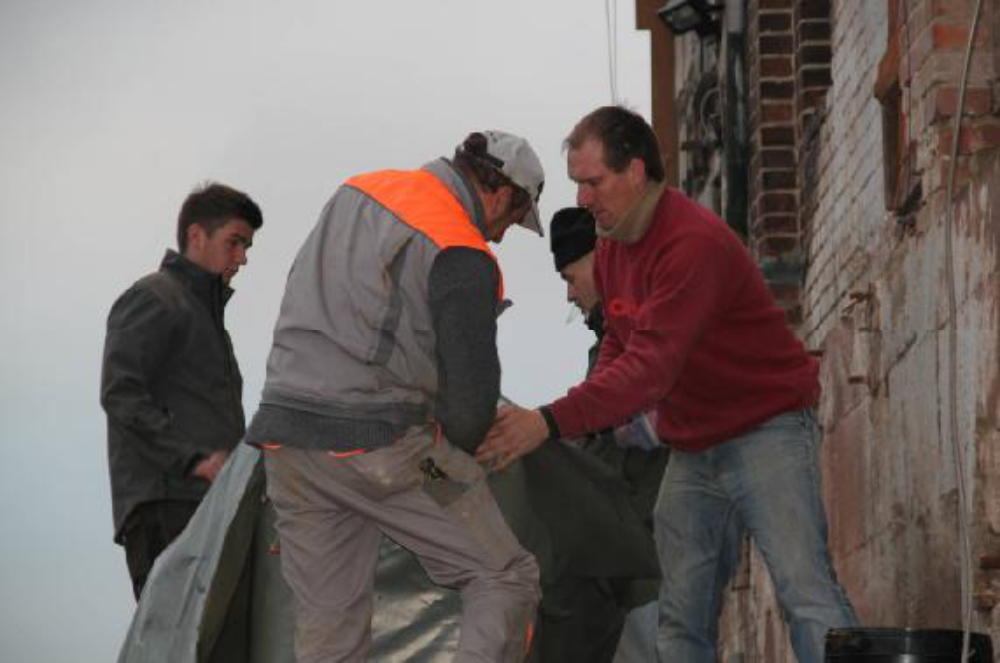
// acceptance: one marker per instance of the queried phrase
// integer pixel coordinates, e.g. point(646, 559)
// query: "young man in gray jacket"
point(170, 384)
point(382, 381)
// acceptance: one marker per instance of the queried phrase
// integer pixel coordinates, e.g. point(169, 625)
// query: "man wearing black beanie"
point(573, 241)
point(581, 618)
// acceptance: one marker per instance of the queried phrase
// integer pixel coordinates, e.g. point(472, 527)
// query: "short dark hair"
point(212, 205)
point(475, 162)
point(625, 135)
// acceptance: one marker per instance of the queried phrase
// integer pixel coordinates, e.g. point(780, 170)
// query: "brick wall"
point(789, 63)
point(851, 233)
point(860, 270)
point(774, 229)
point(846, 184)
point(813, 78)
point(874, 304)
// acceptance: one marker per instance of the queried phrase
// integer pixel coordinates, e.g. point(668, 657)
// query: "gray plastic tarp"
point(216, 595)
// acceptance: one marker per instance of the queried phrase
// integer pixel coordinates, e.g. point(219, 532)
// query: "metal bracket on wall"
point(861, 314)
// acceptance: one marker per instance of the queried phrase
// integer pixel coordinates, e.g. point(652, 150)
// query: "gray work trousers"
point(332, 513)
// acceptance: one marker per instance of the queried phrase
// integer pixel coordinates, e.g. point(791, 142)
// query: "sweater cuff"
point(550, 421)
point(191, 462)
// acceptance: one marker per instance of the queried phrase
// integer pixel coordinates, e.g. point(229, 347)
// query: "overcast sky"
point(111, 111)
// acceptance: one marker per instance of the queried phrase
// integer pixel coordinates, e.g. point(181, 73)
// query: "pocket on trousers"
point(384, 472)
point(466, 497)
point(448, 473)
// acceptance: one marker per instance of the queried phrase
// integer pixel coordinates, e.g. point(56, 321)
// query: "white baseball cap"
point(515, 159)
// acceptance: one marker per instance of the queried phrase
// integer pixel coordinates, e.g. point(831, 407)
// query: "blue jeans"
point(766, 482)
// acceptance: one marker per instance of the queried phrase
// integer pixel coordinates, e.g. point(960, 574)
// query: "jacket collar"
point(461, 189)
point(203, 283)
point(595, 321)
point(633, 226)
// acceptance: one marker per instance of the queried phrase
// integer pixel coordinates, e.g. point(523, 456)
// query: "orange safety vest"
point(423, 202)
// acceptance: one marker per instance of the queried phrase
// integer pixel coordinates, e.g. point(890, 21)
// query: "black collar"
point(202, 282)
point(595, 321)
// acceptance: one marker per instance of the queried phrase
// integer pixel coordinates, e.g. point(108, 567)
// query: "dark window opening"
point(902, 182)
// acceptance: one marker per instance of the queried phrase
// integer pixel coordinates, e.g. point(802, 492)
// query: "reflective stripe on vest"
point(421, 201)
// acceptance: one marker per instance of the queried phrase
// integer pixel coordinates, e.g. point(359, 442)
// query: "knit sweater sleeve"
point(609, 348)
point(652, 337)
point(463, 290)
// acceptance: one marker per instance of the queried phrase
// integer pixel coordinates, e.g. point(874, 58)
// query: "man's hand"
point(209, 467)
point(515, 433)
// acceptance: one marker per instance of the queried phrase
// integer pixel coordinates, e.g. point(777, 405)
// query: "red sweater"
point(691, 329)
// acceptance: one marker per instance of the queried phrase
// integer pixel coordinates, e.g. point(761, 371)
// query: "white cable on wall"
point(949, 259)
point(611, 22)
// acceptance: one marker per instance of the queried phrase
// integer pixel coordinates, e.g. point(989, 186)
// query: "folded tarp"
point(216, 595)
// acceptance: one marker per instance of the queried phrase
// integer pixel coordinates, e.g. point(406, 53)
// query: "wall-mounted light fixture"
point(686, 15)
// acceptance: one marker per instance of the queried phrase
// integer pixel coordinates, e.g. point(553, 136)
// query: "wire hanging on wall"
point(965, 537)
point(611, 23)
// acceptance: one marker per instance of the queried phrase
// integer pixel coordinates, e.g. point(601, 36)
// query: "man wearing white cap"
point(383, 379)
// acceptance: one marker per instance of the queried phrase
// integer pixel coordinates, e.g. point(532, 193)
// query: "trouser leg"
point(773, 476)
point(697, 540)
point(328, 559)
point(454, 528)
point(579, 621)
point(637, 643)
point(462, 540)
point(150, 528)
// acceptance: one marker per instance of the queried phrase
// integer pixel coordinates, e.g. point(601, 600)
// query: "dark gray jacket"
point(170, 385)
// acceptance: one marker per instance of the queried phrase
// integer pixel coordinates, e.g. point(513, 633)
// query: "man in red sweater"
point(693, 331)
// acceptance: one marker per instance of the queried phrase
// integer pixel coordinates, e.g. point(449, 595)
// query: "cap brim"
point(531, 220)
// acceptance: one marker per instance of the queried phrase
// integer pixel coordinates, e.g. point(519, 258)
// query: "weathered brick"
point(955, 9)
point(770, 136)
point(776, 202)
point(777, 158)
point(974, 137)
point(945, 68)
point(813, 31)
point(777, 245)
point(815, 77)
point(773, 113)
point(942, 173)
point(814, 8)
point(776, 45)
point(778, 179)
point(776, 66)
point(815, 54)
point(776, 223)
point(917, 46)
point(978, 101)
point(777, 90)
point(774, 22)
point(946, 36)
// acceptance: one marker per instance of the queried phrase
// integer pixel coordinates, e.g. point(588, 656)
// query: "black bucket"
point(904, 645)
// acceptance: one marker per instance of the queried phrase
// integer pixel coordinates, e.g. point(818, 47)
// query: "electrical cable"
point(611, 23)
point(949, 257)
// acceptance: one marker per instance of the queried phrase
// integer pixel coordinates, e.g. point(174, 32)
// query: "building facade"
point(822, 131)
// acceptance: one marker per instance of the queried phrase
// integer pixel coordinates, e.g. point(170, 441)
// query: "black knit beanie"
point(573, 235)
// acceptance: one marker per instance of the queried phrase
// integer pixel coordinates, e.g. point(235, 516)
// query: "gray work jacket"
point(383, 325)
